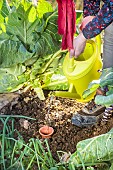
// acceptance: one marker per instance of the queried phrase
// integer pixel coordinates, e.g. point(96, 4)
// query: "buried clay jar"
point(46, 131)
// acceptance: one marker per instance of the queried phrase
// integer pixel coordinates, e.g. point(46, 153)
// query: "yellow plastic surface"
point(81, 71)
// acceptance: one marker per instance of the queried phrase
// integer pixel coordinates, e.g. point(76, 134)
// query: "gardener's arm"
point(103, 18)
point(91, 8)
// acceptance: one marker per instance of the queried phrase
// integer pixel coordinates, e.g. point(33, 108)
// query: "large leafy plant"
point(96, 151)
point(30, 54)
point(28, 41)
point(105, 83)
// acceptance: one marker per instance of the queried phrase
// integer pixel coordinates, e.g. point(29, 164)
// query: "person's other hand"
point(85, 21)
point(79, 44)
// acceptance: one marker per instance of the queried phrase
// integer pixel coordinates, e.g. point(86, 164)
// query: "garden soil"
point(57, 113)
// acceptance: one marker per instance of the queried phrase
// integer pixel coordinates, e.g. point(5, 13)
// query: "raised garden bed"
point(66, 135)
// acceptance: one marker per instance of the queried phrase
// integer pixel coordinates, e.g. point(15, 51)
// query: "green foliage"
point(9, 82)
point(79, 15)
point(30, 52)
point(16, 154)
point(28, 38)
point(91, 88)
point(104, 100)
point(105, 82)
point(43, 7)
point(94, 151)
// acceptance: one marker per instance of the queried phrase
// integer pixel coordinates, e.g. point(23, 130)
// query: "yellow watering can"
point(81, 71)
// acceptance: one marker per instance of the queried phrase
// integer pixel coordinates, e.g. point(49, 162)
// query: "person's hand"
point(85, 21)
point(79, 44)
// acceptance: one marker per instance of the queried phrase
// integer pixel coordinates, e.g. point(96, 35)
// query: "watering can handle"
point(98, 42)
point(71, 63)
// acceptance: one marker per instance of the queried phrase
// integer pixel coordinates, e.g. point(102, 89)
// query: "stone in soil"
point(7, 98)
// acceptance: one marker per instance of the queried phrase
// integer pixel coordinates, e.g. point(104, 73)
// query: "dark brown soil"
point(60, 112)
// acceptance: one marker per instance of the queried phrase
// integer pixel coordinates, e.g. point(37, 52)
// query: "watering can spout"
point(71, 65)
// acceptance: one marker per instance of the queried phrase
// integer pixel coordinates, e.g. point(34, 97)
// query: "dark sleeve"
point(91, 7)
point(103, 18)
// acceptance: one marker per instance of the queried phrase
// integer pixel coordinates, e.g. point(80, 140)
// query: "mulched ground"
point(58, 114)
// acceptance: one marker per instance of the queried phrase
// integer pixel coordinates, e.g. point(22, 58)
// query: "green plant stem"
point(81, 160)
point(36, 154)
point(50, 61)
point(50, 155)
point(21, 156)
point(3, 143)
point(16, 116)
point(13, 153)
point(29, 165)
point(54, 83)
point(46, 160)
point(2, 120)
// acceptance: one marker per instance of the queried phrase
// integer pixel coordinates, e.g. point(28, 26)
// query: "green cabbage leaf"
point(28, 38)
point(94, 151)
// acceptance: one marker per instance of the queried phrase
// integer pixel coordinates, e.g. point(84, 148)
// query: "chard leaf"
point(104, 100)
point(47, 63)
point(93, 151)
point(79, 14)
